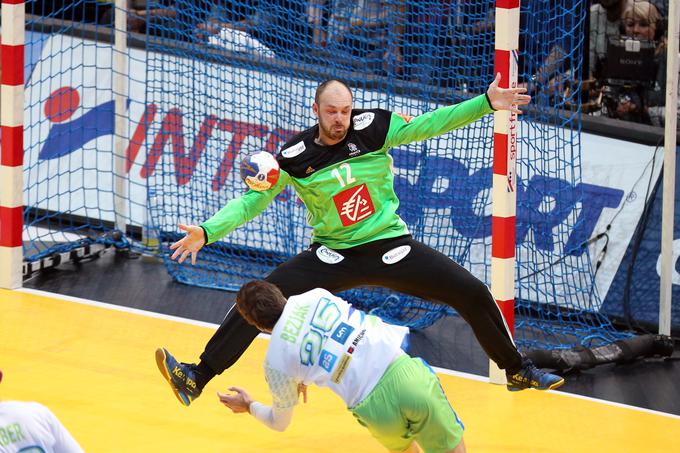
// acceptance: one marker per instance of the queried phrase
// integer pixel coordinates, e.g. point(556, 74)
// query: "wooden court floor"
point(93, 366)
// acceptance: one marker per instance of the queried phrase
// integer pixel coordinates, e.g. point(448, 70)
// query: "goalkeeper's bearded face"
point(334, 111)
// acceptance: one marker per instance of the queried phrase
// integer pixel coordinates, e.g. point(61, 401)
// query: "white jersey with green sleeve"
point(323, 340)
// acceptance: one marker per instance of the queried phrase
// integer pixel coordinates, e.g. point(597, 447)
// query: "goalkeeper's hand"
point(506, 98)
point(191, 243)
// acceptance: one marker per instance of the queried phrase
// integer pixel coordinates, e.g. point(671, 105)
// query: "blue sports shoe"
point(180, 376)
point(531, 377)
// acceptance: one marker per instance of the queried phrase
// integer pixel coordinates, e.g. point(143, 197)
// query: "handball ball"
point(260, 171)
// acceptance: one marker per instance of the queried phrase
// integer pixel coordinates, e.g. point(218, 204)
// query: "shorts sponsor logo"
point(342, 333)
point(396, 254)
point(341, 369)
point(363, 121)
point(327, 360)
point(328, 256)
point(294, 150)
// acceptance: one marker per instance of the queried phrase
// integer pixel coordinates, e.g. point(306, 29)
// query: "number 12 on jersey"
point(348, 174)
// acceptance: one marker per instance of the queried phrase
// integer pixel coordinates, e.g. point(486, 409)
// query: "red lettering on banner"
point(240, 131)
point(512, 152)
point(139, 134)
point(172, 129)
point(277, 137)
point(354, 205)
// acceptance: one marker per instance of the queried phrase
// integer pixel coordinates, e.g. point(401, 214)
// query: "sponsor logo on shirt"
point(294, 150)
point(340, 370)
point(328, 256)
point(309, 171)
point(354, 205)
point(356, 341)
point(363, 121)
point(353, 150)
point(327, 360)
point(396, 254)
point(342, 332)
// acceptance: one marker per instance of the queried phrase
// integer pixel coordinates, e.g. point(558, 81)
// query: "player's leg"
point(406, 407)
point(413, 448)
point(426, 273)
point(308, 270)
point(436, 425)
point(301, 273)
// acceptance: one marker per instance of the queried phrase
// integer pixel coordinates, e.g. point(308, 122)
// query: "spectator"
point(30, 426)
point(366, 32)
point(428, 41)
point(605, 23)
point(642, 21)
point(280, 25)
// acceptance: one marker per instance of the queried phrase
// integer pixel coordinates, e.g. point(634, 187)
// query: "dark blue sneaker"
point(531, 377)
point(180, 376)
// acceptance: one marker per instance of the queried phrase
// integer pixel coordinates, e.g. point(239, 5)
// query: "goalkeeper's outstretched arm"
point(237, 212)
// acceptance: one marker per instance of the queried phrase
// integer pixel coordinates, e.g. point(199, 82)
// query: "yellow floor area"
point(94, 367)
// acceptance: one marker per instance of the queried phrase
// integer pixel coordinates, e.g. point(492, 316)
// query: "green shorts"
point(408, 404)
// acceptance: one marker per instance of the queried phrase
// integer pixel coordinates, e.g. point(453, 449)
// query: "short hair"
point(642, 10)
point(321, 88)
point(260, 303)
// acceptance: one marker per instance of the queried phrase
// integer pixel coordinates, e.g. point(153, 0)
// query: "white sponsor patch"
point(363, 121)
point(397, 254)
point(293, 150)
point(328, 256)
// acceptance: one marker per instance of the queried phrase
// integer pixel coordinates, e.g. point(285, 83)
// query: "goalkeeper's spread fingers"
point(178, 251)
point(185, 253)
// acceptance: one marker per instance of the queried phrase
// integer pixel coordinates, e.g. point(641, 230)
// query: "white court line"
point(265, 336)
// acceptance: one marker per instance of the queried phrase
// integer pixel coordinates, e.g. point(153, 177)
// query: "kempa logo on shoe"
point(328, 256)
point(396, 254)
point(177, 371)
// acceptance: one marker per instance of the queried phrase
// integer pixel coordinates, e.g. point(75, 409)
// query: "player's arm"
point(445, 119)
point(236, 212)
point(285, 391)
point(240, 402)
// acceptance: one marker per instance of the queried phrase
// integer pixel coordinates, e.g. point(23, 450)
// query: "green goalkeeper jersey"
point(348, 188)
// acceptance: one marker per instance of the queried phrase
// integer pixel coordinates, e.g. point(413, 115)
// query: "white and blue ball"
point(260, 171)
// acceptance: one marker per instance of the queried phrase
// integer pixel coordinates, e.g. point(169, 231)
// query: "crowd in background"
point(445, 43)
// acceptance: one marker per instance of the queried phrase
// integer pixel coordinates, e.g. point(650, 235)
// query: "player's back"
point(30, 426)
point(322, 339)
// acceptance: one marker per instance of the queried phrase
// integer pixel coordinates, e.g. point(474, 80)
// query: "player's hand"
point(506, 98)
point(191, 243)
point(302, 390)
point(238, 402)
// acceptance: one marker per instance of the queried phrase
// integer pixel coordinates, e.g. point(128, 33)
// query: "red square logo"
point(354, 205)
